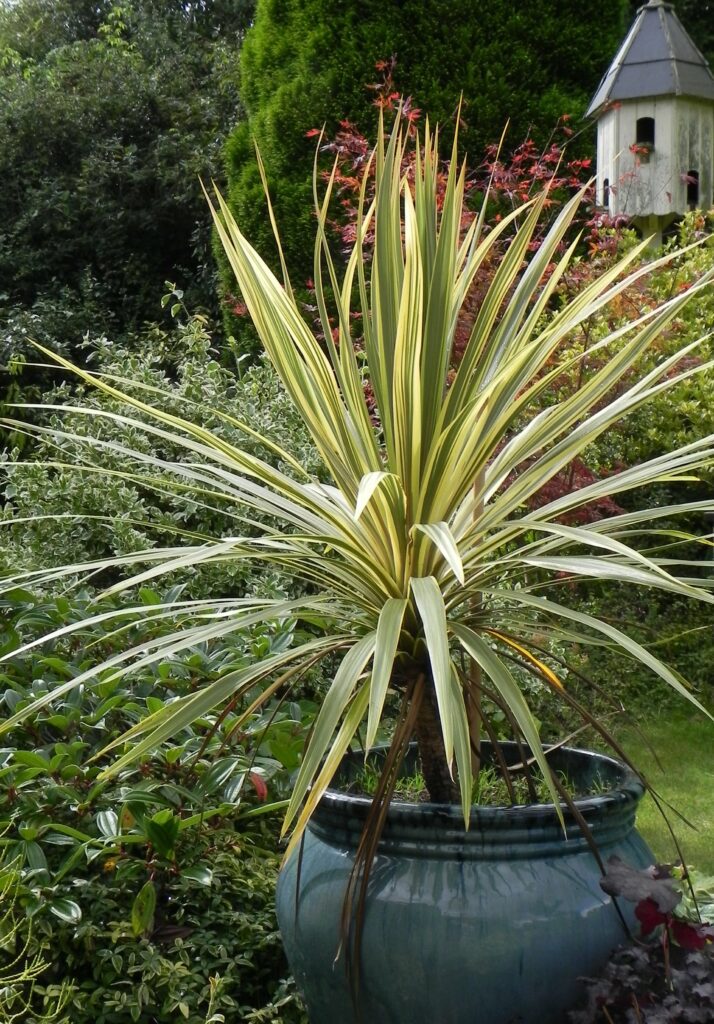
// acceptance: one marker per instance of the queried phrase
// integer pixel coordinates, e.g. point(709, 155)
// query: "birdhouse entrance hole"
point(692, 189)
point(645, 131)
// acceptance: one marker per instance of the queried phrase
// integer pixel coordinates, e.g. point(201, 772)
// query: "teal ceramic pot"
point(490, 926)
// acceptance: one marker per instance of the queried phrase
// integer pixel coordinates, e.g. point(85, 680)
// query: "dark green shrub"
point(109, 113)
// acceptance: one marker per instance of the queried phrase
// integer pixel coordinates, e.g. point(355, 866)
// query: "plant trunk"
point(430, 741)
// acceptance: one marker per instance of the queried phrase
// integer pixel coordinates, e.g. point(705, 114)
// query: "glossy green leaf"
point(66, 910)
point(199, 873)
point(143, 910)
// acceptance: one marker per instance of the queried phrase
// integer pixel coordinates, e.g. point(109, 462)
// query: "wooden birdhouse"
point(655, 124)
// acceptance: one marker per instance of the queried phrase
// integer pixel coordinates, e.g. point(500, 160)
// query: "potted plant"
point(425, 573)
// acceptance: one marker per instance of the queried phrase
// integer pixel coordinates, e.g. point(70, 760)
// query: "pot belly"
point(453, 941)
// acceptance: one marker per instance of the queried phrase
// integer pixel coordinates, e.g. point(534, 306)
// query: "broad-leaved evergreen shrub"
point(140, 890)
point(109, 114)
point(96, 514)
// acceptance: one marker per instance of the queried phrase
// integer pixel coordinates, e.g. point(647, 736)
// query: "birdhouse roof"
point(657, 58)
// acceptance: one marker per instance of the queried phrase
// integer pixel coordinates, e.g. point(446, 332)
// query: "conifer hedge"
point(306, 63)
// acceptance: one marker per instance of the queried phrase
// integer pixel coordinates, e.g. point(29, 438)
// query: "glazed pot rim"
point(624, 794)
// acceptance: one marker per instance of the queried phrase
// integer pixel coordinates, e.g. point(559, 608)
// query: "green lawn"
point(685, 747)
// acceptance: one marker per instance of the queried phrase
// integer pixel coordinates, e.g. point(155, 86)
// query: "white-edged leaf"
point(367, 486)
point(66, 910)
point(441, 536)
point(333, 708)
point(344, 737)
point(462, 746)
point(624, 641)
point(108, 824)
point(430, 602)
point(388, 630)
point(612, 569)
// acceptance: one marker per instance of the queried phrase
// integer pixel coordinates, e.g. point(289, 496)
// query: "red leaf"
point(261, 790)
point(688, 936)
point(649, 916)
point(311, 133)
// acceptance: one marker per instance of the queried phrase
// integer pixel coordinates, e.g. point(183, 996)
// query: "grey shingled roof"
point(657, 58)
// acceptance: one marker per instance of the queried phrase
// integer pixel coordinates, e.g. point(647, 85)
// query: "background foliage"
point(161, 880)
point(99, 515)
point(109, 113)
point(305, 64)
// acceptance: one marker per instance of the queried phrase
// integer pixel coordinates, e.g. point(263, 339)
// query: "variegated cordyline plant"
point(420, 557)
